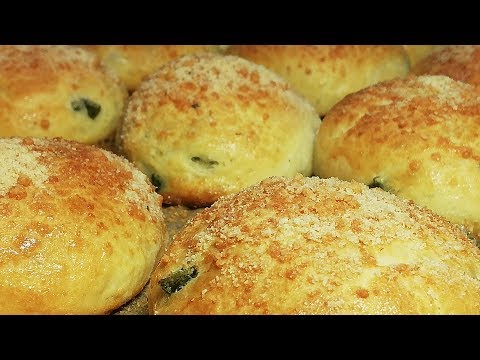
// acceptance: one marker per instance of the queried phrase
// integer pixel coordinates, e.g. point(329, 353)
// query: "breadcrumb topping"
point(53, 163)
point(194, 78)
point(25, 67)
point(17, 161)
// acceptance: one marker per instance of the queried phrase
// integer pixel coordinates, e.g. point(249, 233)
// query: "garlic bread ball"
point(208, 125)
point(317, 246)
point(80, 228)
point(418, 138)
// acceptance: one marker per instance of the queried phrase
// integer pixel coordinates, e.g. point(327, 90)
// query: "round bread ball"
point(132, 63)
point(418, 138)
point(324, 74)
point(317, 246)
point(459, 62)
point(208, 125)
point(416, 53)
point(80, 228)
point(58, 91)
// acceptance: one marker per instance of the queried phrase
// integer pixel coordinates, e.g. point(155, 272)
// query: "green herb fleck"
point(195, 105)
point(378, 182)
point(178, 279)
point(156, 181)
point(204, 162)
point(92, 108)
point(473, 239)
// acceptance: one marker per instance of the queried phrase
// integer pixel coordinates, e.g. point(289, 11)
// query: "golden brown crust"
point(41, 89)
point(459, 62)
point(319, 246)
point(419, 136)
point(209, 125)
point(324, 74)
point(417, 53)
point(133, 63)
point(81, 228)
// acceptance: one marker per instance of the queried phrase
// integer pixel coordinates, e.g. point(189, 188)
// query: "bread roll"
point(80, 228)
point(324, 74)
point(459, 62)
point(57, 91)
point(208, 125)
point(132, 63)
point(317, 246)
point(418, 138)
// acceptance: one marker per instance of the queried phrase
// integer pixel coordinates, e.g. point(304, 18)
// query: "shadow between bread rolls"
point(80, 228)
point(317, 246)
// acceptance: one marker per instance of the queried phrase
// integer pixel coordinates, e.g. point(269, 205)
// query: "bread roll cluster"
point(269, 146)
